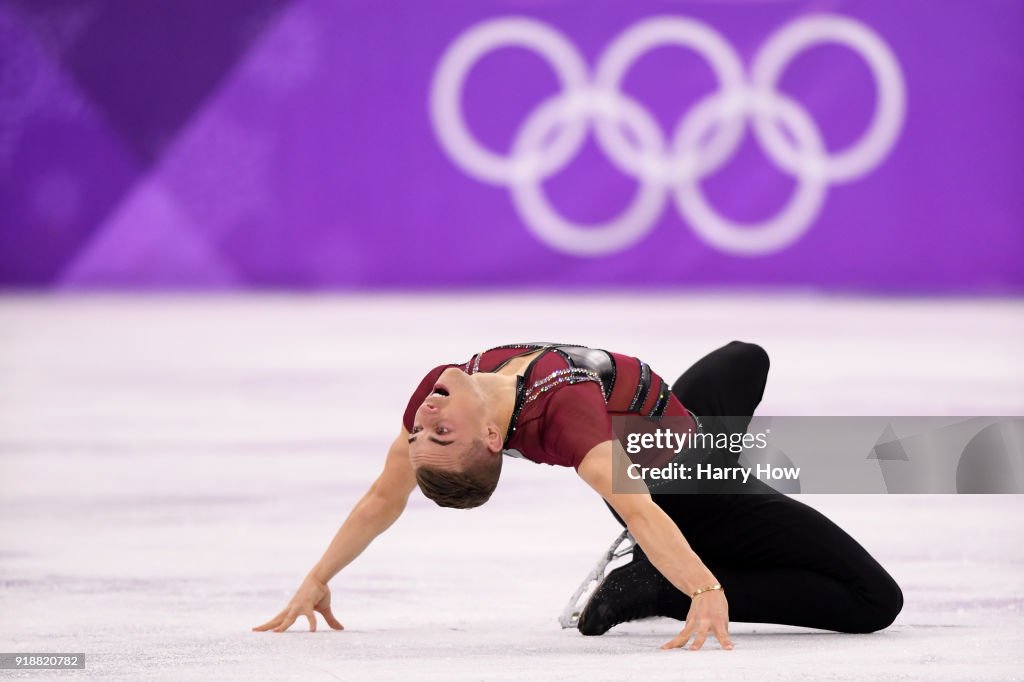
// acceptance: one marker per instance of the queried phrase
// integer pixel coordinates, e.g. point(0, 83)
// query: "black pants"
point(779, 560)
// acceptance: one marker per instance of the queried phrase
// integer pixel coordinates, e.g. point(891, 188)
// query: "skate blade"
point(570, 616)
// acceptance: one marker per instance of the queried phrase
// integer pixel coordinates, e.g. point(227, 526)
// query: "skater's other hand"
point(312, 597)
point(709, 613)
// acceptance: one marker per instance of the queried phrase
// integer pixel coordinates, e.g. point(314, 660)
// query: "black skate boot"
point(631, 592)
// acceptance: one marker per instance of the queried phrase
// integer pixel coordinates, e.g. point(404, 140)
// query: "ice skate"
point(631, 592)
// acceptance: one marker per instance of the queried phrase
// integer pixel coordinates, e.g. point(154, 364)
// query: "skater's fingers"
point(677, 642)
point(721, 633)
point(266, 626)
point(270, 623)
point(288, 620)
point(698, 641)
point(312, 620)
point(680, 639)
point(329, 617)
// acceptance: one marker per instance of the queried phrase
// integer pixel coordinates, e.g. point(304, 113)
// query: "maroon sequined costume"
point(566, 398)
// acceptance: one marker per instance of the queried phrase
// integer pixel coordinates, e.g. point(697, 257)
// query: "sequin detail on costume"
point(572, 375)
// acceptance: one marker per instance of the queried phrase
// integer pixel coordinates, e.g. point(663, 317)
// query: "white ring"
point(703, 139)
point(446, 94)
point(801, 209)
point(536, 211)
point(887, 120)
point(642, 37)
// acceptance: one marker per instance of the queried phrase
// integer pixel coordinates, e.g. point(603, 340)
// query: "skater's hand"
point(312, 596)
point(709, 612)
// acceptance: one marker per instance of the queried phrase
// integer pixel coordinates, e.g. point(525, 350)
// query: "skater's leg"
point(782, 561)
point(779, 560)
point(725, 386)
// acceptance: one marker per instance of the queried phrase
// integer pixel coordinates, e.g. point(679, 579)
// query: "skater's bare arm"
point(380, 507)
point(664, 545)
point(661, 539)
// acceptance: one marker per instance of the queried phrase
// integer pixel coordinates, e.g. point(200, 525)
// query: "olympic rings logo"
point(703, 140)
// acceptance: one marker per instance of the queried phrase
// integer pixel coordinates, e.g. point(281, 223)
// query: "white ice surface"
point(170, 467)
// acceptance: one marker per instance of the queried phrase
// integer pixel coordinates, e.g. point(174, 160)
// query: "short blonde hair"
point(465, 489)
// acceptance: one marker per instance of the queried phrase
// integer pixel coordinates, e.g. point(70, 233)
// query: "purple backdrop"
point(870, 145)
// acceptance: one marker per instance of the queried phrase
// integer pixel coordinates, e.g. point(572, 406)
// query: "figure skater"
point(750, 554)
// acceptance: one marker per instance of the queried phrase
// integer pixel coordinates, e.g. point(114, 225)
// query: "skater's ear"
point(493, 438)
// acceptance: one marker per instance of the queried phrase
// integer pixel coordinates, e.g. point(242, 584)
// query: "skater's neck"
point(499, 393)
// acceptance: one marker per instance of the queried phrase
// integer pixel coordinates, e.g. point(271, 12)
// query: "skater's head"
point(466, 486)
point(455, 444)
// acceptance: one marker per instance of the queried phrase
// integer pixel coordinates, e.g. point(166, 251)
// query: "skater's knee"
point(890, 605)
point(881, 611)
point(753, 354)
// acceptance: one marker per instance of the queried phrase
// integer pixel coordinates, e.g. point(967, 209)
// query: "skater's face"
point(448, 421)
